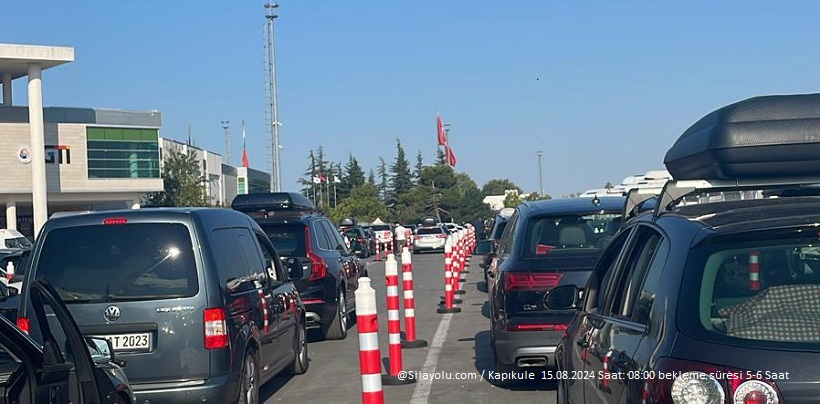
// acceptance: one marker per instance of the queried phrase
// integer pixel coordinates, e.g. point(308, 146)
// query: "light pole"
point(225, 127)
point(540, 175)
point(276, 172)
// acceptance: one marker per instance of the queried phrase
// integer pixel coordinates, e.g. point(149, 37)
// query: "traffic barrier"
point(754, 271)
point(9, 271)
point(458, 268)
point(449, 300)
point(378, 250)
point(410, 340)
point(465, 253)
point(391, 273)
point(370, 359)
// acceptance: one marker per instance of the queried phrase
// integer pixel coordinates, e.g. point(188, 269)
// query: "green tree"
point(383, 179)
point(402, 180)
point(183, 182)
point(308, 186)
point(471, 206)
point(512, 200)
point(440, 157)
point(498, 186)
point(364, 204)
point(352, 177)
point(371, 178)
point(419, 166)
point(534, 196)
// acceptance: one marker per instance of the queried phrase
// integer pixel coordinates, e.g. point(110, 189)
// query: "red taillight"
point(23, 324)
point(442, 236)
point(318, 267)
point(537, 327)
point(115, 220)
point(313, 301)
point(531, 281)
point(359, 239)
point(216, 329)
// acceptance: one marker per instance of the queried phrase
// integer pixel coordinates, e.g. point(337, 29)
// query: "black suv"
point(301, 233)
point(196, 300)
point(546, 244)
point(713, 297)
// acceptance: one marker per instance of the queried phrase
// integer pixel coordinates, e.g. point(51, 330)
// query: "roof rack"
point(674, 191)
point(636, 197)
point(264, 204)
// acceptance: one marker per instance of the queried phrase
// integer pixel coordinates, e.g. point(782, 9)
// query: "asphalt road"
point(460, 360)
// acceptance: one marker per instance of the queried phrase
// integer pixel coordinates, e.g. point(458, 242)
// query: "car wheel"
point(300, 361)
point(337, 329)
point(249, 385)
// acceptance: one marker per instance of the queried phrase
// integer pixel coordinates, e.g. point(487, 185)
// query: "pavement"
point(453, 368)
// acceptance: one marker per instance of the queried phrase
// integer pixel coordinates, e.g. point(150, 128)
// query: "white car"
point(429, 239)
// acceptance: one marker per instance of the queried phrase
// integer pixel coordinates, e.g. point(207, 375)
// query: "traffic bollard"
point(378, 250)
point(370, 359)
point(447, 307)
point(410, 340)
point(391, 274)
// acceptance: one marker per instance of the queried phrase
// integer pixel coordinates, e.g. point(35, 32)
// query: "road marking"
point(422, 391)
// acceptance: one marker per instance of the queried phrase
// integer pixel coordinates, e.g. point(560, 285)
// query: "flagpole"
point(447, 143)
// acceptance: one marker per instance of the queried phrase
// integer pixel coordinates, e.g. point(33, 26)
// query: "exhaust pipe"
point(531, 362)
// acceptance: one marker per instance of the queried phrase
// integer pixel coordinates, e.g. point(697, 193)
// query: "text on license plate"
point(130, 342)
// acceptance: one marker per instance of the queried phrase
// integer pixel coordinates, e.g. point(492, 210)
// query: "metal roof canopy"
point(14, 59)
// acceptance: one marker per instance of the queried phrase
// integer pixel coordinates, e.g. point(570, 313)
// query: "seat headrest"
point(573, 236)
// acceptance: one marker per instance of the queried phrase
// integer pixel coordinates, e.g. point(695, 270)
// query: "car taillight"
point(318, 268)
point(442, 236)
point(533, 281)
point(359, 239)
point(216, 329)
point(23, 324)
point(537, 327)
point(687, 382)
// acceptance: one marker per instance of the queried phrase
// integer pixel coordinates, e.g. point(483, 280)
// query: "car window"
point(640, 305)
point(103, 263)
point(505, 245)
point(320, 232)
point(600, 281)
point(642, 251)
point(273, 264)
point(335, 238)
point(238, 260)
point(547, 236)
point(288, 239)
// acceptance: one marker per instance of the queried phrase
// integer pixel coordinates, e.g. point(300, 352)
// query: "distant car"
point(429, 239)
point(546, 244)
point(384, 232)
point(359, 240)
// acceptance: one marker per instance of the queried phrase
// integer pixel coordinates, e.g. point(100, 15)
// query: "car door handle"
point(582, 343)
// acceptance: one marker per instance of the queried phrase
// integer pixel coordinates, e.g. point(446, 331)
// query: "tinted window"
point(352, 233)
point(644, 248)
point(602, 277)
point(334, 237)
point(435, 230)
point(273, 264)
point(321, 236)
point(507, 240)
point(498, 229)
point(237, 259)
point(380, 227)
point(289, 239)
point(19, 242)
point(119, 262)
point(550, 235)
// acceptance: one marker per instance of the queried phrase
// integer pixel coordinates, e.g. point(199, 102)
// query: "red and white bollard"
point(370, 359)
point(391, 274)
point(458, 265)
point(449, 300)
point(410, 340)
point(754, 271)
point(378, 250)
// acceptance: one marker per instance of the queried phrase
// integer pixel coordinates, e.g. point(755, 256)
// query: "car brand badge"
point(112, 313)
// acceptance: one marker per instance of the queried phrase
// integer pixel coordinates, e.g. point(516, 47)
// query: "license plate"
point(130, 342)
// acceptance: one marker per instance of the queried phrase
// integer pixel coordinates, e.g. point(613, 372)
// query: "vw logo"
point(112, 313)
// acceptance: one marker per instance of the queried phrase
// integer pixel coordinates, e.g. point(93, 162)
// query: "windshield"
point(433, 230)
point(550, 235)
point(761, 291)
point(19, 242)
point(104, 263)
point(289, 239)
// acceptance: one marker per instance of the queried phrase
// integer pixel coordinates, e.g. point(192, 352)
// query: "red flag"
point(451, 157)
point(245, 162)
point(442, 134)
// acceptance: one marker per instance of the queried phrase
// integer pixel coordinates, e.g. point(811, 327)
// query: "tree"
point(371, 179)
point(512, 200)
point(419, 166)
point(498, 186)
point(471, 206)
point(308, 186)
point(183, 182)
point(352, 177)
point(402, 180)
point(383, 180)
point(364, 204)
point(535, 197)
point(440, 158)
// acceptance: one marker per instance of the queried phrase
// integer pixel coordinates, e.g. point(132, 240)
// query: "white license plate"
point(130, 342)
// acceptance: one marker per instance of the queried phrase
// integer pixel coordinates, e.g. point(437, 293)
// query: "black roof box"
point(762, 137)
point(270, 202)
point(348, 222)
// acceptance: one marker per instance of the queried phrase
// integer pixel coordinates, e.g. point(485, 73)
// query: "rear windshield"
point(756, 292)
point(352, 233)
point(380, 227)
point(19, 242)
point(107, 263)
point(547, 236)
point(434, 230)
point(289, 239)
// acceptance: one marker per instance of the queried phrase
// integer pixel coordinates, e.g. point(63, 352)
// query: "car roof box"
point(348, 222)
point(769, 137)
point(272, 202)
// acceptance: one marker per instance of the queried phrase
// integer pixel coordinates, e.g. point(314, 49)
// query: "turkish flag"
point(451, 157)
point(442, 134)
point(245, 162)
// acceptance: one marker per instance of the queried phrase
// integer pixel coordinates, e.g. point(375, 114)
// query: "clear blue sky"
point(602, 87)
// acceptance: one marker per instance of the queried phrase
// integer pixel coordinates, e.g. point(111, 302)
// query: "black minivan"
point(195, 300)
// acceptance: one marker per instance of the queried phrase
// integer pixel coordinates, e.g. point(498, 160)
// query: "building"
point(243, 180)
point(210, 165)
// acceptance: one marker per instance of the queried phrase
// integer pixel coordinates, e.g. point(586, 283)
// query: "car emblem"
point(112, 313)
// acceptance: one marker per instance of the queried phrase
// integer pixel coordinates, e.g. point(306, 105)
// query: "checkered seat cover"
point(789, 313)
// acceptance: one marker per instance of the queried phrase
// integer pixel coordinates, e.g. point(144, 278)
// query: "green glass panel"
point(95, 133)
point(113, 134)
point(150, 134)
point(131, 134)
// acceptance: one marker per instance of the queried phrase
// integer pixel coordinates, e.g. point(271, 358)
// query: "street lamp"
point(540, 174)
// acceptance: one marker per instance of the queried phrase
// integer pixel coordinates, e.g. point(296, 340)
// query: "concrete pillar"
point(38, 158)
point(11, 214)
point(7, 89)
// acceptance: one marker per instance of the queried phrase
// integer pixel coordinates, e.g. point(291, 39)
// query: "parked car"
point(431, 238)
point(384, 232)
point(499, 224)
point(63, 368)
point(196, 300)
point(305, 235)
point(713, 297)
point(359, 241)
point(546, 244)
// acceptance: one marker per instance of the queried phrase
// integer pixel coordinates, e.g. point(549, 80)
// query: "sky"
point(602, 88)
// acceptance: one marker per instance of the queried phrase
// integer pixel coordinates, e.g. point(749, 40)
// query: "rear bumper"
point(219, 389)
point(527, 347)
point(428, 247)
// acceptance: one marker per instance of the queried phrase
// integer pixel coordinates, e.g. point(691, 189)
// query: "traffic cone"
point(370, 359)
point(391, 274)
point(447, 307)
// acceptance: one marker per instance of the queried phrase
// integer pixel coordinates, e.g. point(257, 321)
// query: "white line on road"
point(422, 391)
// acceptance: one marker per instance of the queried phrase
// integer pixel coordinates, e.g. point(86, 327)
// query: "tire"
point(301, 361)
point(249, 383)
point(337, 329)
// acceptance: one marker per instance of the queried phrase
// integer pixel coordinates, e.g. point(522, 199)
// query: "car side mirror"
point(102, 350)
point(295, 269)
point(565, 297)
point(484, 247)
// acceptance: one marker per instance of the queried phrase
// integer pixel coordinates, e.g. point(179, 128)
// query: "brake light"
point(531, 281)
point(537, 327)
point(442, 236)
point(23, 324)
point(216, 329)
point(318, 267)
point(359, 239)
point(707, 382)
point(115, 220)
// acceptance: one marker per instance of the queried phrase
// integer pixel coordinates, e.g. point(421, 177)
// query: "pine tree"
point(383, 180)
point(371, 179)
point(352, 178)
point(402, 181)
point(419, 167)
point(440, 158)
point(308, 187)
